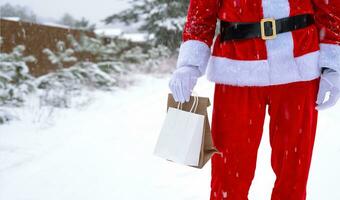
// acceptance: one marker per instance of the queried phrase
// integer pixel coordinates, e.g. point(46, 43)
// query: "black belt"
point(266, 29)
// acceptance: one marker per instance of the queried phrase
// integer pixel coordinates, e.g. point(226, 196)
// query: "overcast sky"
point(94, 10)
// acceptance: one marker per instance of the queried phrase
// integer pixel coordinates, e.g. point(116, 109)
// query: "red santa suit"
point(250, 74)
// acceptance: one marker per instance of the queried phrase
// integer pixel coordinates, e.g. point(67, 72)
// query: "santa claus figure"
point(283, 55)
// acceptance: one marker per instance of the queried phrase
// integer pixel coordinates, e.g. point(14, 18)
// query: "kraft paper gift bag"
point(185, 137)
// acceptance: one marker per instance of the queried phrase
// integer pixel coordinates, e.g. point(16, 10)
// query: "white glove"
point(183, 81)
point(329, 82)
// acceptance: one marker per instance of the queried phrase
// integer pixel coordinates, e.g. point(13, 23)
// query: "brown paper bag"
point(207, 147)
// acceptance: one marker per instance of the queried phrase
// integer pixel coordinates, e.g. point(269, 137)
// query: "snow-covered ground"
point(104, 151)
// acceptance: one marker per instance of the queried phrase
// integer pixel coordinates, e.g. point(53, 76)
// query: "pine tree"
point(62, 55)
point(15, 79)
point(83, 24)
point(83, 73)
point(162, 18)
point(86, 45)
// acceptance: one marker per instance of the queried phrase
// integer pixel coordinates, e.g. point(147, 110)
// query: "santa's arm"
point(327, 18)
point(198, 34)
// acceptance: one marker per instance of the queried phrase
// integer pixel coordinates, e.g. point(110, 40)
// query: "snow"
point(104, 151)
point(109, 32)
point(172, 23)
point(136, 37)
point(42, 22)
point(114, 32)
point(53, 24)
point(11, 18)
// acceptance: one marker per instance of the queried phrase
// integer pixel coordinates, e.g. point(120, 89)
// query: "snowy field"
point(103, 151)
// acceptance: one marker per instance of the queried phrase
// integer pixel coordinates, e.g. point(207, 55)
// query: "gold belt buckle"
point(263, 34)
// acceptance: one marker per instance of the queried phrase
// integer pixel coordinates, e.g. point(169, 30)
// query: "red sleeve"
point(198, 34)
point(327, 19)
point(201, 21)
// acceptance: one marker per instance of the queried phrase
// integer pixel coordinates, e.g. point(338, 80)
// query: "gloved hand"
point(329, 82)
point(183, 81)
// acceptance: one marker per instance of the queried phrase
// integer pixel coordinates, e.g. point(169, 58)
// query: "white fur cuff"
point(195, 53)
point(330, 56)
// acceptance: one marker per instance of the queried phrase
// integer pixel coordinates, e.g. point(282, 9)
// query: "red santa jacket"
point(291, 56)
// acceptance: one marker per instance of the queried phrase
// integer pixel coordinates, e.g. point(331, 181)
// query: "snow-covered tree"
point(15, 79)
point(110, 69)
point(86, 45)
point(116, 49)
point(134, 55)
point(84, 24)
point(156, 56)
point(83, 73)
point(62, 55)
point(107, 57)
point(162, 18)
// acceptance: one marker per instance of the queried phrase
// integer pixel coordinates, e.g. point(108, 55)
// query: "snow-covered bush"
point(15, 80)
point(77, 76)
point(59, 86)
point(63, 55)
point(134, 55)
point(111, 66)
point(5, 116)
point(86, 45)
point(156, 55)
point(114, 50)
point(128, 55)
point(118, 50)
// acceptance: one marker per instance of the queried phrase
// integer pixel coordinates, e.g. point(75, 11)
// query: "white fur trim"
point(280, 56)
point(330, 56)
point(262, 72)
point(195, 53)
point(280, 67)
point(275, 8)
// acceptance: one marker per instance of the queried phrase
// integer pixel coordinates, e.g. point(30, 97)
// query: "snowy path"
point(104, 152)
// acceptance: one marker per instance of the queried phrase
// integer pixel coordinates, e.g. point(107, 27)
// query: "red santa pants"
point(237, 125)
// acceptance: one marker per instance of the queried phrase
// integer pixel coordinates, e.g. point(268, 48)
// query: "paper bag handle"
point(193, 107)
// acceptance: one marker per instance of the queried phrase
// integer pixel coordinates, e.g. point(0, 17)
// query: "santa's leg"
point(293, 120)
point(237, 125)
